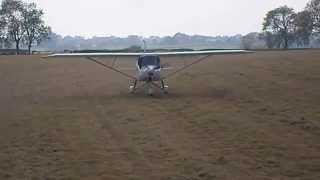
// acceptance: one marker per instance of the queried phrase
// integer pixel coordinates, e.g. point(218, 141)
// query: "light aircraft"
point(148, 65)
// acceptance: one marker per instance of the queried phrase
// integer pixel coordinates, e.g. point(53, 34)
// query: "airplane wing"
point(182, 53)
point(93, 57)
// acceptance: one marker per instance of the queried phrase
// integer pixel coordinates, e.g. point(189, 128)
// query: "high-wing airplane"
point(148, 65)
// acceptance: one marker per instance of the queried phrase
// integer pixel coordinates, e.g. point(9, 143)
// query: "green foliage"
point(303, 28)
point(21, 21)
point(280, 21)
point(313, 7)
point(282, 26)
point(252, 40)
point(11, 21)
point(35, 28)
point(127, 50)
point(271, 40)
point(134, 48)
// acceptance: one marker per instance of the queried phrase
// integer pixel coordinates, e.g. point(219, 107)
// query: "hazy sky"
point(158, 17)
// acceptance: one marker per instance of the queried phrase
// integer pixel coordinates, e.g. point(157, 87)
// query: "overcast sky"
point(158, 17)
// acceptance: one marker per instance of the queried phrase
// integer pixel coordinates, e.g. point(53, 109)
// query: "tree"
point(12, 21)
point(134, 48)
point(303, 28)
point(35, 28)
point(280, 22)
point(247, 41)
point(313, 7)
point(271, 40)
point(4, 41)
point(252, 41)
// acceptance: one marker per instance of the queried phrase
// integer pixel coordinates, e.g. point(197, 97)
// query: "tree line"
point(284, 28)
point(22, 23)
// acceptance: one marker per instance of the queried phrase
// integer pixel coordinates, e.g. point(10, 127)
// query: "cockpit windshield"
point(145, 61)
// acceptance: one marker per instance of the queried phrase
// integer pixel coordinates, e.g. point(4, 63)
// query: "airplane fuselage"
point(149, 72)
point(149, 68)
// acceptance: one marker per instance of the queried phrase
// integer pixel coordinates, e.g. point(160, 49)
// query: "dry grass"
point(252, 116)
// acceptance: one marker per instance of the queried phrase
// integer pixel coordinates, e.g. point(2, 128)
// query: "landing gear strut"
point(133, 87)
point(164, 87)
point(148, 85)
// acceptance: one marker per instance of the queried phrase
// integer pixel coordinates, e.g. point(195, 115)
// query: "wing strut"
point(186, 66)
point(111, 68)
point(114, 61)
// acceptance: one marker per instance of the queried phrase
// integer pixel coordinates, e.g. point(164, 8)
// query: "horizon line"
point(149, 36)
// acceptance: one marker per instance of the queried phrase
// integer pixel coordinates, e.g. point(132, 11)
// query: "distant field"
point(253, 116)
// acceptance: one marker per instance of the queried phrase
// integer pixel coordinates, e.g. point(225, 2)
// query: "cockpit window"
point(149, 61)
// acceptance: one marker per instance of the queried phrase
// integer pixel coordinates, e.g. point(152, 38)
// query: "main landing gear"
point(149, 87)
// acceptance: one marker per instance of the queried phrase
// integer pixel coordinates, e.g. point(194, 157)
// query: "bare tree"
point(34, 26)
point(12, 21)
point(280, 21)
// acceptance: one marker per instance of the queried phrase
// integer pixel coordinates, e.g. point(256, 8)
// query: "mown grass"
point(233, 117)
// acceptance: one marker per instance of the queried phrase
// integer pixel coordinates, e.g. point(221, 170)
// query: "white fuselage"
point(148, 68)
point(149, 73)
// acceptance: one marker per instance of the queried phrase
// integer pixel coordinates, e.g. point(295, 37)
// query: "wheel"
point(150, 91)
point(131, 89)
point(165, 89)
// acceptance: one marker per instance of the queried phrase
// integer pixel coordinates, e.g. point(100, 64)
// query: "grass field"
point(253, 116)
